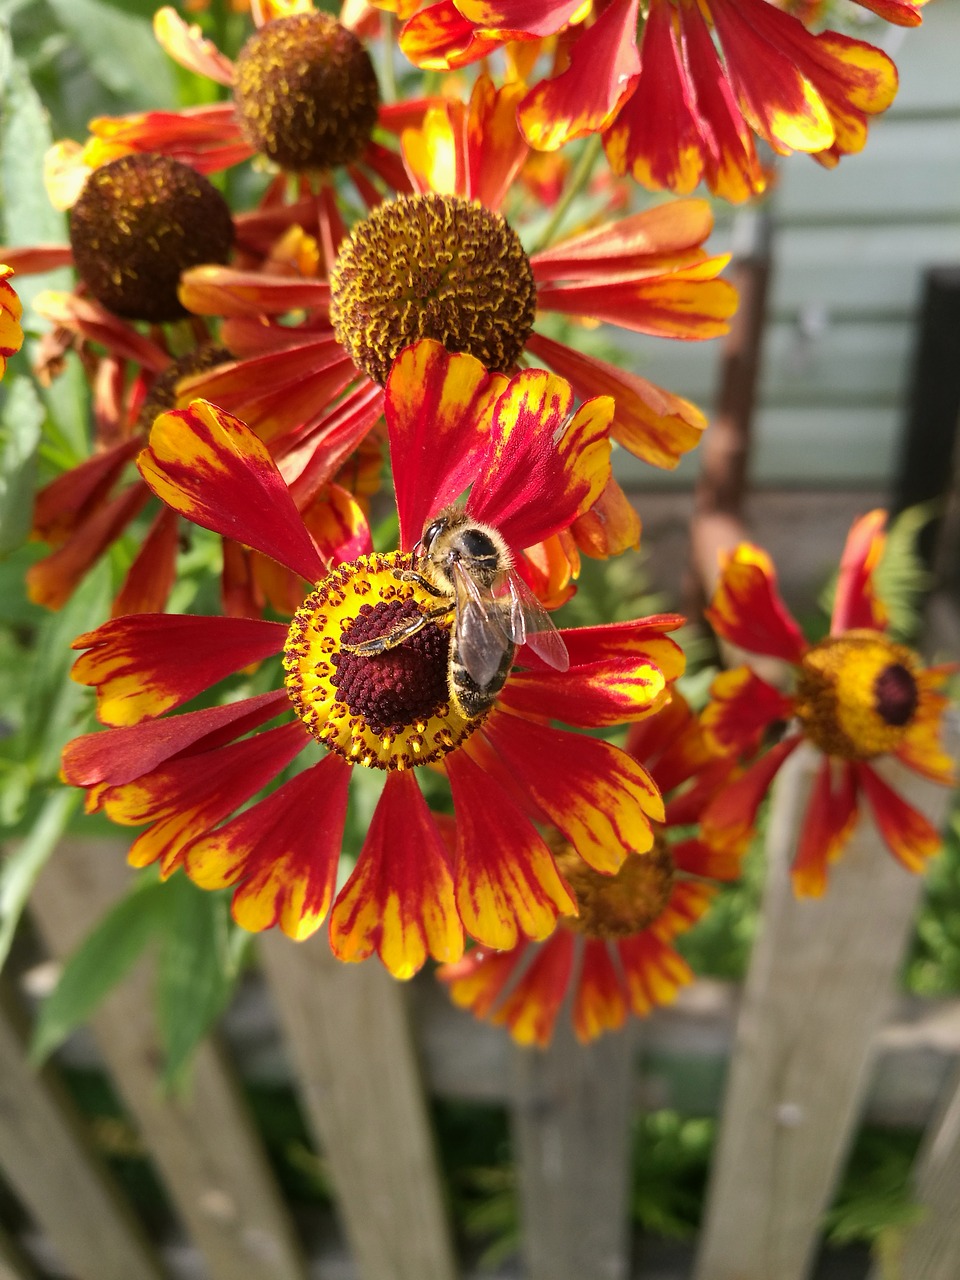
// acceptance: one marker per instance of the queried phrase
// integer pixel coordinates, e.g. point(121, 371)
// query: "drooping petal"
point(654, 972)
point(827, 826)
point(687, 903)
point(211, 468)
point(610, 527)
point(186, 44)
point(439, 38)
point(151, 577)
point(530, 1008)
point(904, 13)
point(717, 861)
point(476, 981)
point(747, 608)
point(909, 835)
point(741, 707)
point(399, 900)
point(438, 408)
point(146, 664)
point(540, 470)
point(283, 851)
point(649, 422)
point(598, 796)
point(507, 883)
point(603, 63)
point(188, 797)
point(599, 1001)
point(112, 757)
point(732, 814)
point(495, 148)
point(922, 748)
point(215, 290)
point(856, 603)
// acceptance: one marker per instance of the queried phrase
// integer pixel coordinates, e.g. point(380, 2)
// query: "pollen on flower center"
point(857, 694)
point(624, 904)
point(388, 709)
point(306, 92)
point(138, 223)
point(432, 266)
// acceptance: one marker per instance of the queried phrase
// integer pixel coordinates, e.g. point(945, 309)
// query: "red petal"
point(439, 38)
point(144, 665)
point(827, 826)
point(211, 468)
point(598, 796)
point(284, 851)
point(908, 834)
point(653, 970)
point(507, 883)
point(741, 707)
point(747, 608)
point(66, 502)
point(599, 1002)
point(475, 982)
point(151, 577)
point(530, 1009)
point(856, 603)
point(399, 901)
point(732, 814)
point(604, 693)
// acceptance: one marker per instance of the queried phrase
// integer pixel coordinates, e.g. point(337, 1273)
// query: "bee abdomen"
point(471, 698)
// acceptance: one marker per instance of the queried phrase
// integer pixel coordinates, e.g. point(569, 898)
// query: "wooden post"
point(47, 1158)
point(357, 1072)
point(202, 1141)
point(821, 981)
point(571, 1114)
point(13, 1264)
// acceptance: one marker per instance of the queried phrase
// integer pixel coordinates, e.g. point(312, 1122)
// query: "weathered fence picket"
point(47, 1158)
point(571, 1116)
point(349, 1036)
point(821, 981)
point(201, 1139)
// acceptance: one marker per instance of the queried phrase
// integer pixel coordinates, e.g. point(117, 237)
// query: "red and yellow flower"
point(531, 469)
point(616, 956)
point(647, 273)
point(11, 312)
point(858, 697)
point(681, 102)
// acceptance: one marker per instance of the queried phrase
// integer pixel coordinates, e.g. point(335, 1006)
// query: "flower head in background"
point(858, 697)
point(682, 101)
point(616, 955)
point(531, 468)
point(11, 312)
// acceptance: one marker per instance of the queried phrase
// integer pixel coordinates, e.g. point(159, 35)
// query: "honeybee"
point(468, 567)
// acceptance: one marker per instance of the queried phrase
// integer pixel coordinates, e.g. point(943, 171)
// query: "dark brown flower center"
point(400, 686)
point(138, 223)
point(437, 267)
point(306, 93)
point(895, 695)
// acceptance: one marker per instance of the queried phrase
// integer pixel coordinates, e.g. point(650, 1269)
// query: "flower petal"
point(856, 603)
point(747, 608)
point(922, 747)
point(909, 835)
point(507, 883)
point(476, 981)
point(211, 468)
point(284, 850)
point(599, 1002)
point(146, 664)
point(531, 1007)
point(731, 815)
point(151, 577)
point(598, 796)
point(654, 972)
point(440, 38)
point(601, 694)
point(541, 470)
point(827, 826)
point(399, 901)
point(438, 408)
point(741, 707)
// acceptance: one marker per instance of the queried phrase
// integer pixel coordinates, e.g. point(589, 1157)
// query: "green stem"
point(388, 72)
point(578, 181)
point(25, 862)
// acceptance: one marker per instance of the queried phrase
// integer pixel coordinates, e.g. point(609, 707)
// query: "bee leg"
point(411, 575)
point(381, 644)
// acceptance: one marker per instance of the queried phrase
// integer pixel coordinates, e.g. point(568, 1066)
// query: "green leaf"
point(120, 50)
point(23, 864)
point(902, 578)
point(98, 964)
point(20, 425)
point(199, 963)
point(28, 216)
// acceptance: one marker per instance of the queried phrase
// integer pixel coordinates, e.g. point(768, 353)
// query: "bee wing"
point(482, 637)
point(531, 624)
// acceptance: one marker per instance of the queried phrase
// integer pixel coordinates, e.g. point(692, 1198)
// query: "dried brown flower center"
point(138, 223)
point(306, 93)
point(432, 266)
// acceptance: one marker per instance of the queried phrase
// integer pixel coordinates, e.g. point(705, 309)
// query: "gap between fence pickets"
point(49, 1162)
point(820, 984)
point(201, 1138)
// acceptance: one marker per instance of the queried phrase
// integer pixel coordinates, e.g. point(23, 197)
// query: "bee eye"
point(431, 533)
